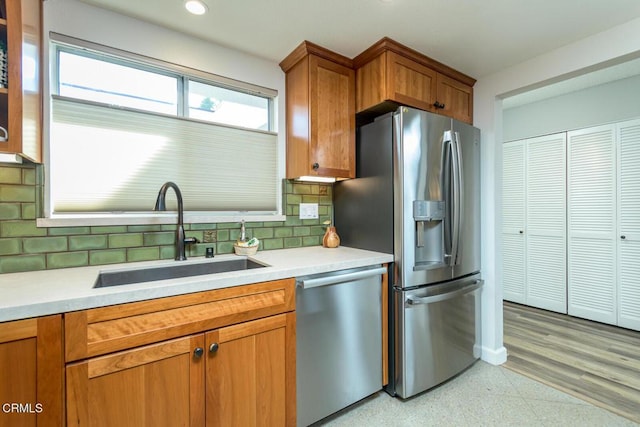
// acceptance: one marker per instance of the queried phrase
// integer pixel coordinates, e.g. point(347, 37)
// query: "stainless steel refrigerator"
point(417, 195)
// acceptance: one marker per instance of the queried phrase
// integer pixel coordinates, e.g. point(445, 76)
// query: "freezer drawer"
point(338, 341)
point(437, 332)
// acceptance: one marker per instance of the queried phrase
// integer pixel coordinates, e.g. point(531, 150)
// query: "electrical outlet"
point(308, 211)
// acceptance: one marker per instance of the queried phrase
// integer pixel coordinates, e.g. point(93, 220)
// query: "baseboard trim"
point(494, 356)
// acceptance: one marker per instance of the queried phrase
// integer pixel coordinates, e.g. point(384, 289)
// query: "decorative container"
point(245, 250)
point(331, 238)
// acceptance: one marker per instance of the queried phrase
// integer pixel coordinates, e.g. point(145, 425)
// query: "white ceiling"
point(477, 37)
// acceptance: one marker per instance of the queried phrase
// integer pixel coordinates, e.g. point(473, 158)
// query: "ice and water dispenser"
point(429, 218)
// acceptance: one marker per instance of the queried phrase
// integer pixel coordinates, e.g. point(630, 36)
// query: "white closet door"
point(592, 224)
point(629, 224)
point(546, 223)
point(513, 222)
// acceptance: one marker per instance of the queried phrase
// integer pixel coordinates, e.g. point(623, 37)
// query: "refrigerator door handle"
point(447, 188)
point(459, 196)
point(414, 300)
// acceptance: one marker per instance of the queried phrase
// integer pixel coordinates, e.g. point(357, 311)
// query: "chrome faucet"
point(181, 240)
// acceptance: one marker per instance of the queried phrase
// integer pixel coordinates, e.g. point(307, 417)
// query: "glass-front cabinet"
point(20, 78)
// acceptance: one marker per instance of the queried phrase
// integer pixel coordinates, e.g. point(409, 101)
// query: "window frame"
point(61, 43)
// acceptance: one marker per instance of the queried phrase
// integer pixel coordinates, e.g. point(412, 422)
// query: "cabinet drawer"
point(104, 330)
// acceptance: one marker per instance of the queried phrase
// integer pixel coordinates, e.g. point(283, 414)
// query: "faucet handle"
point(191, 240)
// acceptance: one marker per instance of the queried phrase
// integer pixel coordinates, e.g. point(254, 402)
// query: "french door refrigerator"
point(417, 195)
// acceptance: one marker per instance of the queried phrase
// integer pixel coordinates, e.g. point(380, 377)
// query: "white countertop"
point(39, 293)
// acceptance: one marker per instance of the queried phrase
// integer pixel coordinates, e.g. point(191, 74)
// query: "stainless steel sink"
point(173, 271)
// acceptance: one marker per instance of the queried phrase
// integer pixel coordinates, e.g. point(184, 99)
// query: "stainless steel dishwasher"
point(338, 340)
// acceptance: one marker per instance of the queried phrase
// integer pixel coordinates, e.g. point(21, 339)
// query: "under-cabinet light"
point(316, 179)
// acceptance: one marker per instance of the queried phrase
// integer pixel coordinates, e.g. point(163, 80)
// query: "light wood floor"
point(594, 362)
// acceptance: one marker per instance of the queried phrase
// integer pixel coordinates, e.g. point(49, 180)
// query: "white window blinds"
point(106, 159)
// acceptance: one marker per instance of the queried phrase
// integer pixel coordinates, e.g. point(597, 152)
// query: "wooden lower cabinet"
point(155, 385)
point(31, 372)
point(250, 374)
point(240, 375)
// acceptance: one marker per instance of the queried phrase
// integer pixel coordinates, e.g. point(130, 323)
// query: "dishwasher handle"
point(340, 278)
point(413, 300)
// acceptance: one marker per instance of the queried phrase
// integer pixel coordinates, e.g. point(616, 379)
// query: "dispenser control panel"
point(428, 210)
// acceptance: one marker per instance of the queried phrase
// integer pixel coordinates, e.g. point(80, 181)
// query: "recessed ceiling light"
point(196, 7)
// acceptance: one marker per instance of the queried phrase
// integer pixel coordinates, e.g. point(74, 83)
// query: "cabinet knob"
point(198, 352)
point(438, 105)
point(521, 232)
point(213, 347)
point(623, 237)
point(315, 166)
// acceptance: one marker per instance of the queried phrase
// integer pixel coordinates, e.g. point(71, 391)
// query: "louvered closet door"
point(592, 224)
point(629, 224)
point(546, 223)
point(513, 218)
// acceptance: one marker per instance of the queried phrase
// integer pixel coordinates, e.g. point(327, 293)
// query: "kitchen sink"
point(173, 271)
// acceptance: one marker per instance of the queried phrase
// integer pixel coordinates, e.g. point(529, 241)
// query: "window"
point(121, 126)
point(85, 77)
point(220, 105)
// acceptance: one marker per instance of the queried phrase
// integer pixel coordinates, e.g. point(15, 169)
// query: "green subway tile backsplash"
point(25, 247)
point(35, 245)
point(10, 175)
point(143, 254)
point(109, 256)
point(130, 240)
point(67, 259)
point(14, 264)
point(17, 193)
point(10, 247)
point(10, 211)
point(87, 242)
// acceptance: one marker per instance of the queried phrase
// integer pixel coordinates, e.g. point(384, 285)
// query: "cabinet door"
point(32, 367)
point(629, 224)
point(592, 224)
point(456, 97)
point(513, 222)
point(410, 83)
point(546, 222)
point(155, 385)
point(20, 111)
point(250, 373)
point(371, 83)
point(333, 125)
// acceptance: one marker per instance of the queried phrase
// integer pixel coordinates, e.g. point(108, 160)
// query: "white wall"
point(595, 51)
point(607, 103)
point(80, 20)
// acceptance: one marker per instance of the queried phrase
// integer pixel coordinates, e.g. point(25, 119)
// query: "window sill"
point(79, 220)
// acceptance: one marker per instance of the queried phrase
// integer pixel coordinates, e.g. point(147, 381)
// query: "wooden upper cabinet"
point(20, 98)
point(456, 98)
point(320, 105)
point(389, 74)
point(32, 365)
